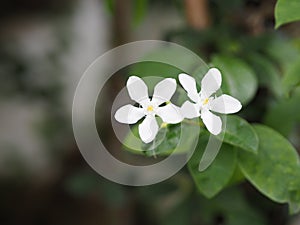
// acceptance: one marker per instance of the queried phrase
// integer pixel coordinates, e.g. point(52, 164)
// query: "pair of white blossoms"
point(202, 104)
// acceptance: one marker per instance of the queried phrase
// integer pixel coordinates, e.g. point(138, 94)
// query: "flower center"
point(205, 102)
point(150, 108)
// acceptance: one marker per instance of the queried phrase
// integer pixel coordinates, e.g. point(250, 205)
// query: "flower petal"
point(212, 122)
point(211, 82)
point(190, 110)
point(170, 113)
point(189, 84)
point(148, 129)
point(225, 104)
point(164, 90)
point(129, 114)
point(137, 90)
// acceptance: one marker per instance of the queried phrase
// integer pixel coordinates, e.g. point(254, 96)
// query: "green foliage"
point(139, 9)
point(175, 202)
point(110, 5)
point(286, 11)
point(149, 68)
point(238, 78)
point(239, 133)
point(264, 157)
point(84, 183)
point(267, 73)
point(234, 207)
point(259, 71)
point(283, 115)
point(180, 137)
point(291, 79)
point(211, 181)
point(275, 169)
point(281, 51)
point(166, 61)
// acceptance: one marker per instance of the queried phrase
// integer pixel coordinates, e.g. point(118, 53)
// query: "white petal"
point(212, 122)
point(164, 90)
point(148, 129)
point(189, 84)
point(170, 113)
point(129, 114)
point(211, 82)
point(225, 104)
point(190, 110)
point(137, 90)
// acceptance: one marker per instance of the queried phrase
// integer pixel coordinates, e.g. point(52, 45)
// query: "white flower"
point(138, 92)
point(205, 102)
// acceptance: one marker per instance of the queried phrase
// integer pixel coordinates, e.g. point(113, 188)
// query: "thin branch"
point(197, 13)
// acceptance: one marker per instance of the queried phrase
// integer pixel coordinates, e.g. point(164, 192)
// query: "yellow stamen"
point(163, 125)
point(205, 101)
point(150, 108)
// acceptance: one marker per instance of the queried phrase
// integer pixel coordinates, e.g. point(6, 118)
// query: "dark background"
point(45, 46)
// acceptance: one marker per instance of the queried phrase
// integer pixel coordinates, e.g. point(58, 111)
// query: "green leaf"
point(179, 137)
point(286, 11)
point(147, 68)
point(240, 133)
point(275, 170)
point(294, 206)
point(237, 177)
point(139, 10)
point(267, 73)
point(238, 78)
point(282, 51)
point(212, 180)
point(291, 80)
point(166, 61)
point(284, 115)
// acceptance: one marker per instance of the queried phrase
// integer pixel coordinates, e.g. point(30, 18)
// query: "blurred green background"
point(45, 46)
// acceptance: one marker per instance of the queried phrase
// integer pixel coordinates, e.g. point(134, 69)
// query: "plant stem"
point(197, 13)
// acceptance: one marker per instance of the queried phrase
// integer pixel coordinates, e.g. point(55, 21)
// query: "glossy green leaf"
point(291, 80)
point(180, 137)
point(238, 78)
point(212, 180)
point(287, 11)
point(240, 133)
point(275, 170)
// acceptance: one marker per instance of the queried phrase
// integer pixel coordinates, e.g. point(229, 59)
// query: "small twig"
point(197, 13)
